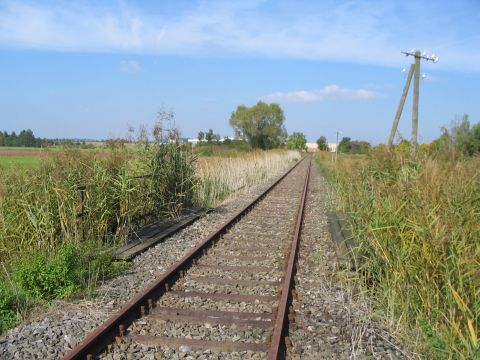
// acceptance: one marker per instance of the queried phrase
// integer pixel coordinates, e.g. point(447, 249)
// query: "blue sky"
point(89, 69)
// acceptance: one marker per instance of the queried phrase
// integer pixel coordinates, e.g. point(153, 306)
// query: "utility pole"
point(400, 107)
point(416, 88)
point(415, 71)
point(336, 148)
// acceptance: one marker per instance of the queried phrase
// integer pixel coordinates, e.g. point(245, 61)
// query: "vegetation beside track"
point(415, 220)
point(46, 252)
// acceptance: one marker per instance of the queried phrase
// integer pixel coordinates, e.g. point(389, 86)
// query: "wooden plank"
point(200, 319)
point(214, 313)
point(228, 297)
point(273, 247)
point(228, 281)
point(243, 257)
point(194, 344)
point(142, 245)
point(239, 268)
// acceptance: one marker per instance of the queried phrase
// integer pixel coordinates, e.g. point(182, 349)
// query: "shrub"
point(8, 315)
point(47, 278)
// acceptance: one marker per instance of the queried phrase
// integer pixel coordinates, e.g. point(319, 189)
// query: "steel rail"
point(116, 325)
point(275, 351)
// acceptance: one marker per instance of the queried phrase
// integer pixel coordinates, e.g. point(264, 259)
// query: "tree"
point(26, 138)
point(210, 136)
point(322, 143)
point(460, 138)
point(261, 124)
point(360, 147)
point(345, 145)
point(297, 141)
point(201, 136)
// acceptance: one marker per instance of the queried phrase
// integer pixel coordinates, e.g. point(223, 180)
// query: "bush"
point(8, 315)
point(47, 278)
point(66, 273)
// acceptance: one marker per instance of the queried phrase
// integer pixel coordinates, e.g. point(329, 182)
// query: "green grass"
point(19, 162)
point(416, 221)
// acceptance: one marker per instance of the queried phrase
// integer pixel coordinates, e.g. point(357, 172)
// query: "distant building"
point(332, 147)
point(312, 147)
point(196, 141)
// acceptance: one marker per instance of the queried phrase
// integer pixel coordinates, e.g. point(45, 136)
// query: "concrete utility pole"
point(415, 71)
point(336, 148)
point(416, 88)
point(400, 107)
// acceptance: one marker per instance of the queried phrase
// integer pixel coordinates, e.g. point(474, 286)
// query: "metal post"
point(400, 107)
point(336, 148)
point(416, 85)
point(81, 210)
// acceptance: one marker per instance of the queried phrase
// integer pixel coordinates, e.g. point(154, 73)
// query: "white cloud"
point(328, 92)
point(129, 66)
point(359, 32)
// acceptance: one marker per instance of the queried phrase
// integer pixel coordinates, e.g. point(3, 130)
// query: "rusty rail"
point(116, 325)
point(277, 344)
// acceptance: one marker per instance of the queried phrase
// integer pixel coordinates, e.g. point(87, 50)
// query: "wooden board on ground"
point(342, 239)
point(152, 234)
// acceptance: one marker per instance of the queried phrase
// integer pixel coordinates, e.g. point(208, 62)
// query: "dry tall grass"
point(220, 177)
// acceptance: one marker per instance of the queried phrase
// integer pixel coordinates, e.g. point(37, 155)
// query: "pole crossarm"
point(424, 55)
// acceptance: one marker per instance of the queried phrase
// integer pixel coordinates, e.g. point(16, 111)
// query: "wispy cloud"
point(361, 32)
point(129, 66)
point(328, 92)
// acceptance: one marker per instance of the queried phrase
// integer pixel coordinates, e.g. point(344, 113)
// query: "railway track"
point(228, 298)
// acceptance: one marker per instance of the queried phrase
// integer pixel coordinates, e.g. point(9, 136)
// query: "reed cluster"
point(416, 222)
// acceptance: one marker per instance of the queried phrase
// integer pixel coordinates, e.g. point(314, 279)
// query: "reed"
point(221, 177)
point(416, 220)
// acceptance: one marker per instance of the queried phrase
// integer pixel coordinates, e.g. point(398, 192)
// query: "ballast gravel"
point(53, 333)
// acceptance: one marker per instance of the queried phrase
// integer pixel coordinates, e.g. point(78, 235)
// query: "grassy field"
point(19, 162)
point(416, 221)
point(22, 158)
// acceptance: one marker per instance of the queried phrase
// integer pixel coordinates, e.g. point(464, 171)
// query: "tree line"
point(262, 126)
point(25, 138)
